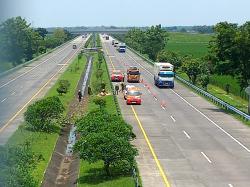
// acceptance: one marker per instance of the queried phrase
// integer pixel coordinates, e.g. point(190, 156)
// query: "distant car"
point(133, 96)
point(74, 46)
point(117, 75)
point(116, 43)
point(113, 42)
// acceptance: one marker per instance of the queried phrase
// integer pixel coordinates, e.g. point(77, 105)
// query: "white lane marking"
point(3, 100)
point(173, 118)
point(237, 141)
point(139, 64)
point(155, 98)
point(187, 135)
point(163, 107)
point(62, 64)
point(13, 93)
point(206, 157)
point(33, 67)
point(230, 185)
point(149, 91)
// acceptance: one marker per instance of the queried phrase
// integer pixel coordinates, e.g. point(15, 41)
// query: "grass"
point(230, 98)
point(44, 143)
point(4, 66)
point(94, 175)
point(189, 44)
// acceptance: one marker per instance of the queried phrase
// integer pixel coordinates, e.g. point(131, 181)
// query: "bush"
point(109, 148)
point(44, 114)
point(100, 102)
point(17, 164)
point(63, 87)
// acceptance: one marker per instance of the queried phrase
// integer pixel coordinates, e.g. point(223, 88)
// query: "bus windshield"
point(166, 75)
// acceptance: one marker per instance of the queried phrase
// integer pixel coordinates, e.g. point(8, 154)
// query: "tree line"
point(229, 52)
point(19, 42)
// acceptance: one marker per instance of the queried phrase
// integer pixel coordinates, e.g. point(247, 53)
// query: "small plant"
point(100, 102)
point(63, 87)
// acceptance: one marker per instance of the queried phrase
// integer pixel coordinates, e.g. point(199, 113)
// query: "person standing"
point(122, 86)
point(79, 95)
point(116, 89)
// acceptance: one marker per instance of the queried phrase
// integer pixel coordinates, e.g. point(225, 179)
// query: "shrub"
point(63, 87)
point(44, 114)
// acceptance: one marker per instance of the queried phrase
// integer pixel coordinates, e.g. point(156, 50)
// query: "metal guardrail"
point(215, 99)
point(202, 92)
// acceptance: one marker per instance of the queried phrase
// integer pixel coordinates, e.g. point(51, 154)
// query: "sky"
point(62, 13)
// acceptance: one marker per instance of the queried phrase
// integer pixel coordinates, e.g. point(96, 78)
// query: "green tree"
point(63, 87)
point(17, 164)
point(135, 38)
point(42, 32)
point(171, 57)
point(18, 41)
point(109, 148)
point(44, 114)
point(100, 121)
point(192, 68)
point(155, 41)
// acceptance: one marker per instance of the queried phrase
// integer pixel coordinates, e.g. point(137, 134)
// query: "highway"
point(183, 140)
point(21, 87)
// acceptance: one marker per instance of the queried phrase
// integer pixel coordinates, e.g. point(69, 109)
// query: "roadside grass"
point(44, 143)
point(94, 175)
point(188, 43)
point(230, 98)
point(4, 66)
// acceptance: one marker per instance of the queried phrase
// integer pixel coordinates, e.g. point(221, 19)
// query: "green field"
point(189, 44)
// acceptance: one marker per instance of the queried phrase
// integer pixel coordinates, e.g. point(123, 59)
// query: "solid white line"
point(3, 100)
point(173, 118)
point(187, 135)
point(206, 157)
point(34, 67)
point(248, 150)
point(237, 141)
point(230, 185)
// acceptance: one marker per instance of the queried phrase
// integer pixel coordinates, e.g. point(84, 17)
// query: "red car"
point(133, 97)
point(117, 75)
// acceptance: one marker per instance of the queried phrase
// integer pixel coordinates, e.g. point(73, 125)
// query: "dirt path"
point(62, 169)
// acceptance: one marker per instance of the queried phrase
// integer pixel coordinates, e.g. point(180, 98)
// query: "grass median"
point(93, 174)
point(41, 142)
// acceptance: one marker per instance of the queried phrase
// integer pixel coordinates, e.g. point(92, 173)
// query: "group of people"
point(117, 87)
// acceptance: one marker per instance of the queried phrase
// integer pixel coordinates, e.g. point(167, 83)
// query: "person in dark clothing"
point(116, 89)
point(79, 95)
point(122, 86)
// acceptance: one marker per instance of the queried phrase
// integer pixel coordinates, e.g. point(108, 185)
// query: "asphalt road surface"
point(21, 87)
point(183, 140)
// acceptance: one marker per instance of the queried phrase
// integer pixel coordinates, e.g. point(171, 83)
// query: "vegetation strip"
point(103, 108)
point(42, 143)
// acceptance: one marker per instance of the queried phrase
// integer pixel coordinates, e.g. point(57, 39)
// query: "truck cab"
point(121, 48)
point(116, 43)
point(133, 74)
point(164, 75)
